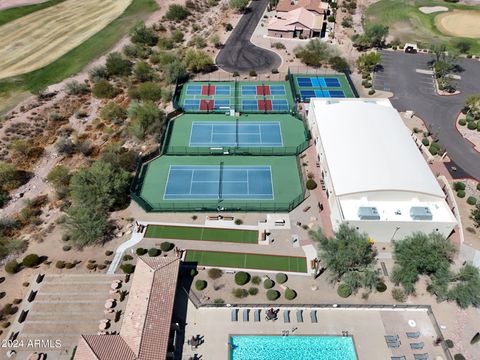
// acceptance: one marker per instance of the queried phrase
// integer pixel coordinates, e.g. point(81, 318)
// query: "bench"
point(280, 223)
point(228, 218)
point(212, 217)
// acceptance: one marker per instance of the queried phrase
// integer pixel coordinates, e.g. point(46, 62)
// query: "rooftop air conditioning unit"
point(420, 213)
point(368, 213)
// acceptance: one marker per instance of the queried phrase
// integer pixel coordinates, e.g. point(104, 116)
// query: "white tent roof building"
point(374, 174)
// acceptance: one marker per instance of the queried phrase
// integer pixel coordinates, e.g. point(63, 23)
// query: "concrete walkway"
point(134, 240)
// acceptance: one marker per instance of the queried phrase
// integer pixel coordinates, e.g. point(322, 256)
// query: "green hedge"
point(242, 277)
point(281, 278)
point(268, 284)
point(200, 285)
point(290, 294)
point(344, 290)
point(272, 295)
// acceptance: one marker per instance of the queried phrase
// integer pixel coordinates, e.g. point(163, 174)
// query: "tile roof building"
point(315, 6)
point(296, 23)
point(145, 331)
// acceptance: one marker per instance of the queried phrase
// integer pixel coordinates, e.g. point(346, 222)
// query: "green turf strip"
point(200, 233)
point(247, 261)
point(12, 14)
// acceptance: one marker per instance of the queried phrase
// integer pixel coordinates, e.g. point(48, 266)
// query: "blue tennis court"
point(307, 94)
point(217, 182)
point(194, 89)
point(223, 90)
point(191, 104)
point(249, 90)
point(277, 90)
point(248, 134)
point(318, 82)
point(221, 103)
point(280, 104)
point(249, 104)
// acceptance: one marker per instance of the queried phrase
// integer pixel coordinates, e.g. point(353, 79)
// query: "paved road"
point(239, 54)
point(415, 91)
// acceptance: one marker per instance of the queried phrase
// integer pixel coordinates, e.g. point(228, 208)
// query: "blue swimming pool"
point(292, 348)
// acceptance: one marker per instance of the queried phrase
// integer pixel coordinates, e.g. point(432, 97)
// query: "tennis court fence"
point(274, 151)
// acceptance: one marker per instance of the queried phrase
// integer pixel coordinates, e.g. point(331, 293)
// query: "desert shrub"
point(272, 295)
point(101, 267)
point(66, 248)
point(459, 357)
point(141, 251)
point(6, 324)
point(75, 88)
point(240, 293)
point(200, 285)
point(472, 200)
point(311, 184)
point(116, 64)
point(69, 265)
point(425, 141)
point(462, 122)
point(98, 73)
point(281, 278)
point(108, 253)
point(91, 266)
point(177, 12)
point(256, 280)
point(219, 301)
point(31, 260)
point(12, 267)
point(127, 257)
point(26, 284)
point(252, 73)
point(381, 287)
point(344, 290)
point(371, 92)
point(472, 125)
point(449, 343)
point(153, 252)
point(104, 90)
point(461, 194)
point(238, 221)
point(399, 295)
point(17, 301)
point(278, 45)
point(242, 277)
point(215, 273)
point(268, 283)
point(290, 294)
point(113, 112)
point(128, 268)
point(228, 27)
point(166, 246)
point(141, 34)
point(253, 291)
point(60, 264)
point(458, 185)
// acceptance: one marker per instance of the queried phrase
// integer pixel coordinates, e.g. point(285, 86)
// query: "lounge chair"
point(413, 335)
point(421, 356)
point(286, 316)
point(398, 358)
point(391, 338)
point(313, 316)
point(234, 314)
point(300, 316)
point(393, 345)
point(256, 315)
point(417, 346)
point(246, 314)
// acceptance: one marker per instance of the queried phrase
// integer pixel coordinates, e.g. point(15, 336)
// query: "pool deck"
point(367, 326)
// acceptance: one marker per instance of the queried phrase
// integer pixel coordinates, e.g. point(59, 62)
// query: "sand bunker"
point(462, 23)
point(38, 39)
point(432, 9)
point(7, 4)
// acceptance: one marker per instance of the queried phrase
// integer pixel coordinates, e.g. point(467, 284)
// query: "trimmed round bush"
point(472, 125)
point(461, 194)
point(242, 277)
point(166, 246)
point(472, 200)
point(215, 273)
point(290, 294)
point(253, 291)
point(281, 278)
point(60, 264)
point(31, 260)
point(101, 267)
point(70, 265)
point(381, 287)
point(240, 293)
point(458, 186)
point(154, 252)
point(141, 251)
point(12, 267)
point(272, 295)
point(108, 253)
point(425, 141)
point(344, 290)
point(268, 284)
point(462, 122)
point(238, 221)
point(371, 92)
point(128, 268)
point(449, 343)
point(311, 184)
point(127, 257)
point(256, 280)
point(91, 266)
point(200, 285)
point(458, 357)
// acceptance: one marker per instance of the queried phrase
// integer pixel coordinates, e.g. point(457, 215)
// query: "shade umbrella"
point(34, 356)
point(104, 326)
point(114, 286)
point(475, 338)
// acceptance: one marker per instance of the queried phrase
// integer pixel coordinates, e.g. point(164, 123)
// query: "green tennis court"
point(255, 134)
point(247, 261)
point(201, 233)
